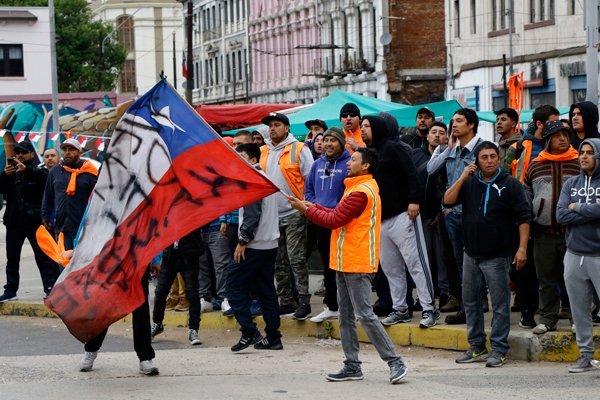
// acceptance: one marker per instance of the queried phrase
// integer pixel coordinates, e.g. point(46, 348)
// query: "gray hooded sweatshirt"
point(583, 223)
point(273, 171)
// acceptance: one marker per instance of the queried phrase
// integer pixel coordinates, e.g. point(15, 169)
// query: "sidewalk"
point(553, 346)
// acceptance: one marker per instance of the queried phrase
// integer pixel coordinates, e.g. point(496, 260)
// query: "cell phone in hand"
point(12, 162)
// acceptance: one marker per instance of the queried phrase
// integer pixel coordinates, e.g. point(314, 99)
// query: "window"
point(473, 17)
point(125, 24)
point(571, 7)
point(457, 18)
point(127, 78)
point(502, 15)
point(541, 10)
point(11, 60)
point(494, 16)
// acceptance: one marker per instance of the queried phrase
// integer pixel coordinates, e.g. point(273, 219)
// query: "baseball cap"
point(274, 116)
point(25, 147)
point(72, 142)
point(318, 122)
point(426, 110)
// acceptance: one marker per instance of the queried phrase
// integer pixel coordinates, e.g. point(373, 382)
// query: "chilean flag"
point(166, 173)
point(184, 66)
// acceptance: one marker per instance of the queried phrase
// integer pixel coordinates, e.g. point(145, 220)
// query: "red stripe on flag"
point(191, 194)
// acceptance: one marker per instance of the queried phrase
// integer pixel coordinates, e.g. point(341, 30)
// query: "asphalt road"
point(39, 359)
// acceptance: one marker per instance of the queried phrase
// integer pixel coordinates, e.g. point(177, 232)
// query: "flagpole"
point(53, 72)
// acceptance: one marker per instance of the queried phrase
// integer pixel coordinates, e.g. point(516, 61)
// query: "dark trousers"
point(166, 277)
point(255, 274)
point(142, 339)
point(323, 242)
point(15, 237)
point(453, 225)
point(526, 282)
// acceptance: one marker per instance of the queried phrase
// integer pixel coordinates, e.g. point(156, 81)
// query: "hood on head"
point(589, 112)
point(391, 123)
point(595, 143)
point(379, 131)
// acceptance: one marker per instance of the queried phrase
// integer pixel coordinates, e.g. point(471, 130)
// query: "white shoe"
point(147, 368)
point(324, 315)
point(205, 306)
point(573, 328)
point(225, 305)
point(88, 361)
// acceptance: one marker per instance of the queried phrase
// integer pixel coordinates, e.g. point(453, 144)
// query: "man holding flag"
point(166, 173)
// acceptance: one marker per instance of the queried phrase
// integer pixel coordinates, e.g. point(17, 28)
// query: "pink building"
point(284, 40)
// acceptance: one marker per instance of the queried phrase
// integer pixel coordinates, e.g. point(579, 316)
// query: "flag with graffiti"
point(166, 173)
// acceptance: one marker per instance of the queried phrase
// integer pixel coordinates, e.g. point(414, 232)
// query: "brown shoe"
point(183, 305)
point(171, 304)
point(452, 305)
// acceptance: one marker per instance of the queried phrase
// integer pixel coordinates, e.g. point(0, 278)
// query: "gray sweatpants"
point(582, 275)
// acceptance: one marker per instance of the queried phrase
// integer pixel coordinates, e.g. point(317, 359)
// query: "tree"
point(88, 56)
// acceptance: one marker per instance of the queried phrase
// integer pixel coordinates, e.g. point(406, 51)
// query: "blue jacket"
point(325, 182)
point(583, 223)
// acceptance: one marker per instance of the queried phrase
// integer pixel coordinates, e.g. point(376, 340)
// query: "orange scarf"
point(568, 155)
point(87, 167)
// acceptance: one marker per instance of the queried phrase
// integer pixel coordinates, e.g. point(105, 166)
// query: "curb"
point(524, 345)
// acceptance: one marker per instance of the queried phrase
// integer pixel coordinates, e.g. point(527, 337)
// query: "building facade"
point(153, 34)
point(24, 51)
point(220, 47)
point(543, 39)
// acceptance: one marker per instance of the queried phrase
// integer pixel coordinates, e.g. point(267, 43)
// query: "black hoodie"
point(589, 112)
point(396, 174)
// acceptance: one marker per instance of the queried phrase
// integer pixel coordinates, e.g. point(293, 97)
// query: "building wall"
point(154, 25)
point(548, 47)
point(35, 38)
point(416, 56)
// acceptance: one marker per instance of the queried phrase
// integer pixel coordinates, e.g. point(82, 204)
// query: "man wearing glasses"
point(350, 119)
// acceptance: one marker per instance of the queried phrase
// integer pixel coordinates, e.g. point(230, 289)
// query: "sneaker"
point(595, 364)
point(193, 337)
point(452, 305)
point(8, 297)
point(266, 344)
point(228, 313)
point(429, 319)
point(87, 362)
point(497, 359)
point(565, 313)
point(472, 356)
point(157, 329)
point(325, 315)
point(345, 374)
point(216, 304)
point(573, 329)
point(205, 306)
point(583, 364)
point(540, 329)
point(245, 342)
point(171, 303)
point(255, 308)
point(397, 372)
point(286, 310)
point(225, 305)
point(183, 305)
point(302, 312)
point(147, 368)
point(395, 317)
point(459, 318)
point(527, 321)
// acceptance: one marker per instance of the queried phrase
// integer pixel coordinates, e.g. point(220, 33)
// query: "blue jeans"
point(254, 274)
point(454, 229)
point(477, 273)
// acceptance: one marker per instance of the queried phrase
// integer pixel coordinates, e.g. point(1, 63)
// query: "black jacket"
point(433, 186)
point(24, 192)
point(189, 249)
point(493, 233)
point(396, 174)
point(69, 210)
point(589, 112)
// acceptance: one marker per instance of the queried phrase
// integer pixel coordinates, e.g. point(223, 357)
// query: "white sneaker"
point(573, 329)
point(205, 306)
point(324, 315)
point(87, 362)
point(147, 368)
point(225, 305)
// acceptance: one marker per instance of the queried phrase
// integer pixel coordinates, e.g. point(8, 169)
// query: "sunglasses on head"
point(349, 115)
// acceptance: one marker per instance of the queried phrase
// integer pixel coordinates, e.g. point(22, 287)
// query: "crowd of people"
point(461, 222)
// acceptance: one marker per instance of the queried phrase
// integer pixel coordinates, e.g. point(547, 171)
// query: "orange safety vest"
point(355, 246)
point(518, 167)
point(289, 162)
point(357, 136)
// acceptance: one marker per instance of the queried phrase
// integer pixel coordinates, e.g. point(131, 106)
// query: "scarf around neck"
point(86, 167)
point(568, 155)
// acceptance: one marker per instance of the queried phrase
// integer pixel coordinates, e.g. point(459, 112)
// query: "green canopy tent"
point(443, 110)
point(490, 116)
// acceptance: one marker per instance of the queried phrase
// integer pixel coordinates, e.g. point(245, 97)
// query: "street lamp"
point(189, 84)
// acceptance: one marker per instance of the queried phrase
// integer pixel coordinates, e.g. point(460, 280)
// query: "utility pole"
point(174, 63)
point(591, 60)
point(53, 72)
point(509, 12)
point(190, 64)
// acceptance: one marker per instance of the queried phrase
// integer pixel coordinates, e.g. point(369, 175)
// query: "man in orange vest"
point(350, 119)
point(355, 240)
point(287, 163)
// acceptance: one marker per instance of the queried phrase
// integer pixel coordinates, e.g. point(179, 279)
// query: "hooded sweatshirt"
point(583, 223)
point(589, 112)
point(325, 183)
point(273, 171)
point(396, 174)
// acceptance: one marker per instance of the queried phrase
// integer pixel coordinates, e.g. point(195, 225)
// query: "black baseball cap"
point(318, 122)
point(276, 117)
point(426, 110)
point(24, 147)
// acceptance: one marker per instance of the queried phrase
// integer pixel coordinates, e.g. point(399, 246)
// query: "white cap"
point(72, 142)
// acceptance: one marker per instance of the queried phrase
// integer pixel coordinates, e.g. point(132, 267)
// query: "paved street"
point(38, 357)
